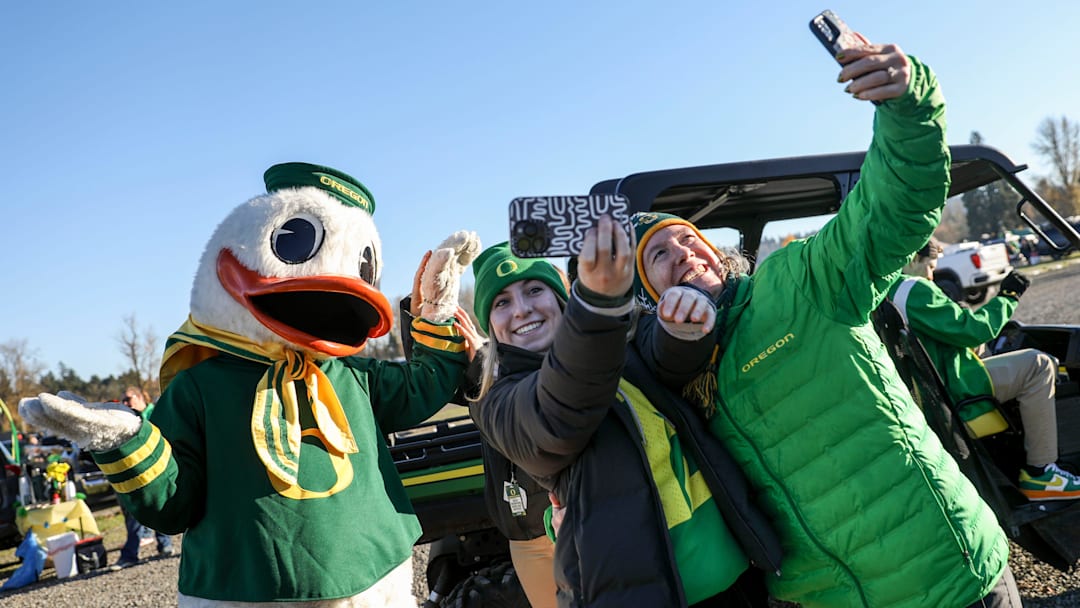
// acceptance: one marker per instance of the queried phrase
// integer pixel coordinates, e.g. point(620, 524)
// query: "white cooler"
point(62, 551)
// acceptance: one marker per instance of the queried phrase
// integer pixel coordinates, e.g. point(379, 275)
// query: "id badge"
point(518, 500)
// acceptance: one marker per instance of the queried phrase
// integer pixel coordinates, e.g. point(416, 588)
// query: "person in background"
point(139, 402)
point(950, 333)
point(791, 376)
point(654, 513)
point(28, 448)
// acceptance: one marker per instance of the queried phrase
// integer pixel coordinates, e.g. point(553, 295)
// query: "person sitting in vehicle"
point(656, 513)
point(792, 377)
point(950, 332)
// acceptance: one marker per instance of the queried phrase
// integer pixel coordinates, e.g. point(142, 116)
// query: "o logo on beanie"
point(505, 268)
point(643, 218)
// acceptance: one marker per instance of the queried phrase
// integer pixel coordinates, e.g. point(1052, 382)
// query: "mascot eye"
point(298, 239)
point(368, 266)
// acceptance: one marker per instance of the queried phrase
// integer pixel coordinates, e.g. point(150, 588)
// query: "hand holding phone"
point(555, 226)
point(606, 262)
point(886, 77)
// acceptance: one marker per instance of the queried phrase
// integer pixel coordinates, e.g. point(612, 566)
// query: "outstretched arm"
point(903, 183)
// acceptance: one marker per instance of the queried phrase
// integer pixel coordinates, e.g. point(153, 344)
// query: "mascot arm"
point(405, 394)
point(160, 473)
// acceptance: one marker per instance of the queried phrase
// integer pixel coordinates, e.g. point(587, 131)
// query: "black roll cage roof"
point(747, 195)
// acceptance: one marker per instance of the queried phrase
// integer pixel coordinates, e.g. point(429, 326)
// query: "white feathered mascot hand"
point(95, 426)
point(441, 280)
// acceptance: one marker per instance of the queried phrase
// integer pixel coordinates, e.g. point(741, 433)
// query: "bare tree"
point(1058, 142)
point(954, 225)
point(1066, 200)
point(19, 372)
point(141, 348)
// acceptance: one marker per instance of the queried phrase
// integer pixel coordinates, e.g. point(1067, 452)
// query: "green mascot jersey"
point(195, 470)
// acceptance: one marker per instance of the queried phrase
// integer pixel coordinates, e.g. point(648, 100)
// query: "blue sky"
point(130, 129)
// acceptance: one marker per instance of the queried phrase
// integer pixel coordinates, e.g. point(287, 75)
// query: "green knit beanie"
point(497, 267)
point(646, 224)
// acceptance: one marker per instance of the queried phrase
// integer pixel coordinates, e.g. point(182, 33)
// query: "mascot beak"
point(332, 314)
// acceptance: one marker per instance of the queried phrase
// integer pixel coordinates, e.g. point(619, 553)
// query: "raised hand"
point(417, 298)
point(606, 261)
point(95, 426)
point(441, 277)
point(875, 72)
point(474, 341)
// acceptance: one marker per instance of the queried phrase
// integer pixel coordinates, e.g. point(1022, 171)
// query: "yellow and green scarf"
point(275, 418)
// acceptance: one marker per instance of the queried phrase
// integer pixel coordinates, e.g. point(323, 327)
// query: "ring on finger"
point(890, 73)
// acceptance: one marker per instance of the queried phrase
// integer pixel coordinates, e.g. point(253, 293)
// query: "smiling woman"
point(524, 314)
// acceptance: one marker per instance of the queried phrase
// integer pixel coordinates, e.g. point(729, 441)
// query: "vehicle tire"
point(496, 586)
point(951, 289)
point(975, 296)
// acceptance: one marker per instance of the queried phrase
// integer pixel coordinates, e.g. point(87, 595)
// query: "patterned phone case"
point(833, 33)
point(554, 226)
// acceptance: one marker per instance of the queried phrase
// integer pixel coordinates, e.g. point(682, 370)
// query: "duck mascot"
point(267, 447)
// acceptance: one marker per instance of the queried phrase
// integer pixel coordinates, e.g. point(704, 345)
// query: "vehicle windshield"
point(774, 236)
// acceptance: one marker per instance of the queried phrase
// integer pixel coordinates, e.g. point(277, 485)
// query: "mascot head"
point(298, 266)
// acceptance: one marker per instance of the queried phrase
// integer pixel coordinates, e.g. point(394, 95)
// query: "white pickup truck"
point(965, 270)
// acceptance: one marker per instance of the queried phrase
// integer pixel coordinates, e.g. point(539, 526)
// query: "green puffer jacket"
point(871, 509)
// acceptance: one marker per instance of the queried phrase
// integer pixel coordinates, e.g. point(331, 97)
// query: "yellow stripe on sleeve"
point(447, 331)
point(148, 475)
point(135, 458)
point(438, 343)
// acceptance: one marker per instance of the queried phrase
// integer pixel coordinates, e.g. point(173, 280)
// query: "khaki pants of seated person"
point(534, 562)
point(1028, 376)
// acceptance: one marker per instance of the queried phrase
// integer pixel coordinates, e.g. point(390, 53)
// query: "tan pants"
point(1029, 376)
point(534, 562)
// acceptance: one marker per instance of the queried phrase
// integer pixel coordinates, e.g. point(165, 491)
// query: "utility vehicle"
point(754, 206)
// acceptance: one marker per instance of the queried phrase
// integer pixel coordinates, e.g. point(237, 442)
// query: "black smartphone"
point(554, 226)
point(833, 33)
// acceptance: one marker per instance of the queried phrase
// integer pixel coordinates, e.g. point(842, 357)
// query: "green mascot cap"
point(345, 187)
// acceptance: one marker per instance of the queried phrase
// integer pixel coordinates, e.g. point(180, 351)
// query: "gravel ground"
point(152, 583)
point(1052, 298)
point(1054, 295)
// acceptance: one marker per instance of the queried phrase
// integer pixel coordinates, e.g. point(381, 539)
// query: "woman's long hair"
point(489, 373)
